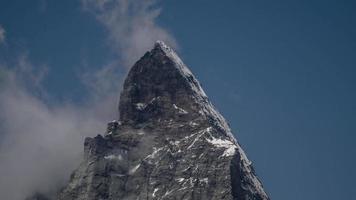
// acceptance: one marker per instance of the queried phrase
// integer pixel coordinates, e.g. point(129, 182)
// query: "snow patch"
point(116, 121)
point(119, 175)
point(167, 193)
point(193, 124)
point(204, 180)
point(180, 180)
point(154, 153)
point(201, 133)
point(154, 192)
point(154, 99)
point(113, 157)
point(180, 110)
point(176, 142)
point(134, 169)
point(228, 145)
point(140, 106)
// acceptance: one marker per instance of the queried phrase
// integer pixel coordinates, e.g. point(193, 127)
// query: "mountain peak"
point(170, 142)
point(160, 75)
point(160, 47)
point(161, 44)
point(161, 87)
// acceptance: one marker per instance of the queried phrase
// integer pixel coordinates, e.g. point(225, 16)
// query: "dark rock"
point(171, 143)
point(112, 126)
point(38, 196)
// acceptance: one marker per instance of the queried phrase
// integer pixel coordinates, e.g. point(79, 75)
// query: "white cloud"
point(2, 34)
point(106, 80)
point(41, 144)
point(131, 25)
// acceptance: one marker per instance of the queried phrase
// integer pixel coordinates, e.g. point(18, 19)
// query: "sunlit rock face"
point(169, 143)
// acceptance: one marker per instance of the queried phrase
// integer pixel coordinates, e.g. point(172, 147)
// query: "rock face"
point(170, 143)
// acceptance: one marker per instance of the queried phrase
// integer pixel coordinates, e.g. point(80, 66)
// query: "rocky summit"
point(169, 143)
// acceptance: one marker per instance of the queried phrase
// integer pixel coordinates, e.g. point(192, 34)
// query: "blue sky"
point(281, 72)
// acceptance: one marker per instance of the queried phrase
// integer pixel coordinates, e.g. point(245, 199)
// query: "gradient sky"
point(283, 73)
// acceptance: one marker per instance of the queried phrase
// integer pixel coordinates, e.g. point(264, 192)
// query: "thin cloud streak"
point(2, 35)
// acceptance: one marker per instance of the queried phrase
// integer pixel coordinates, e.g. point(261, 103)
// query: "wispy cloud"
point(42, 5)
point(2, 35)
point(131, 25)
point(41, 143)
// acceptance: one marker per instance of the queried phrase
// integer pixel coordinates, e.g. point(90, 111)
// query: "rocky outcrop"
point(170, 143)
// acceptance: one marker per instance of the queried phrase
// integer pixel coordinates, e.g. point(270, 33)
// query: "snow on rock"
point(154, 192)
point(167, 193)
point(113, 157)
point(180, 180)
point(154, 153)
point(193, 124)
point(112, 126)
point(119, 175)
point(140, 106)
point(180, 110)
point(204, 180)
point(200, 134)
point(134, 169)
point(207, 108)
point(229, 146)
point(165, 154)
point(116, 121)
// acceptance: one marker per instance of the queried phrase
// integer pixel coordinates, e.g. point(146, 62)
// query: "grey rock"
point(170, 143)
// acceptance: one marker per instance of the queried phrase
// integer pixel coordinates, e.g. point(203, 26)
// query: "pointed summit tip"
point(159, 77)
point(160, 44)
point(159, 84)
point(162, 48)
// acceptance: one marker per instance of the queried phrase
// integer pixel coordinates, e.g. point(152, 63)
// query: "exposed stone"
point(171, 143)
